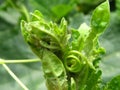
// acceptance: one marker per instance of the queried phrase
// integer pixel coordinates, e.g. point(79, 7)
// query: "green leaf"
point(100, 18)
point(36, 15)
point(99, 22)
point(93, 82)
point(61, 10)
point(42, 34)
point(114, 84)
point(54, 71)
point(52, 8)
point(84, 31)
point(79, 36)
point(44, 39)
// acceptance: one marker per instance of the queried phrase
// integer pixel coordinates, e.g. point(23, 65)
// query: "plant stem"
point(25, 12)
point(15, 77)
point(21, 8)
point(19, 61)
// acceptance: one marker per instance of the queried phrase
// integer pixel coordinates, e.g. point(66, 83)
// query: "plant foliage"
point(69, 49)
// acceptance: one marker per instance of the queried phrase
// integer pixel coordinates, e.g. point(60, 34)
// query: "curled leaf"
point(54, 71)
point(74, 61)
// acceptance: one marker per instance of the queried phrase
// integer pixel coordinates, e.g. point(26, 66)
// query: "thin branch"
point(15, 77)
point(19, 61)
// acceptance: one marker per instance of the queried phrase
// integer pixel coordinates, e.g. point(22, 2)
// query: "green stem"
point(19, 61)
point(22, 9)
point(25, 12)
point(15, 77)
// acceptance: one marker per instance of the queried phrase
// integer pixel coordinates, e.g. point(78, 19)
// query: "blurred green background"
point(13, 46)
